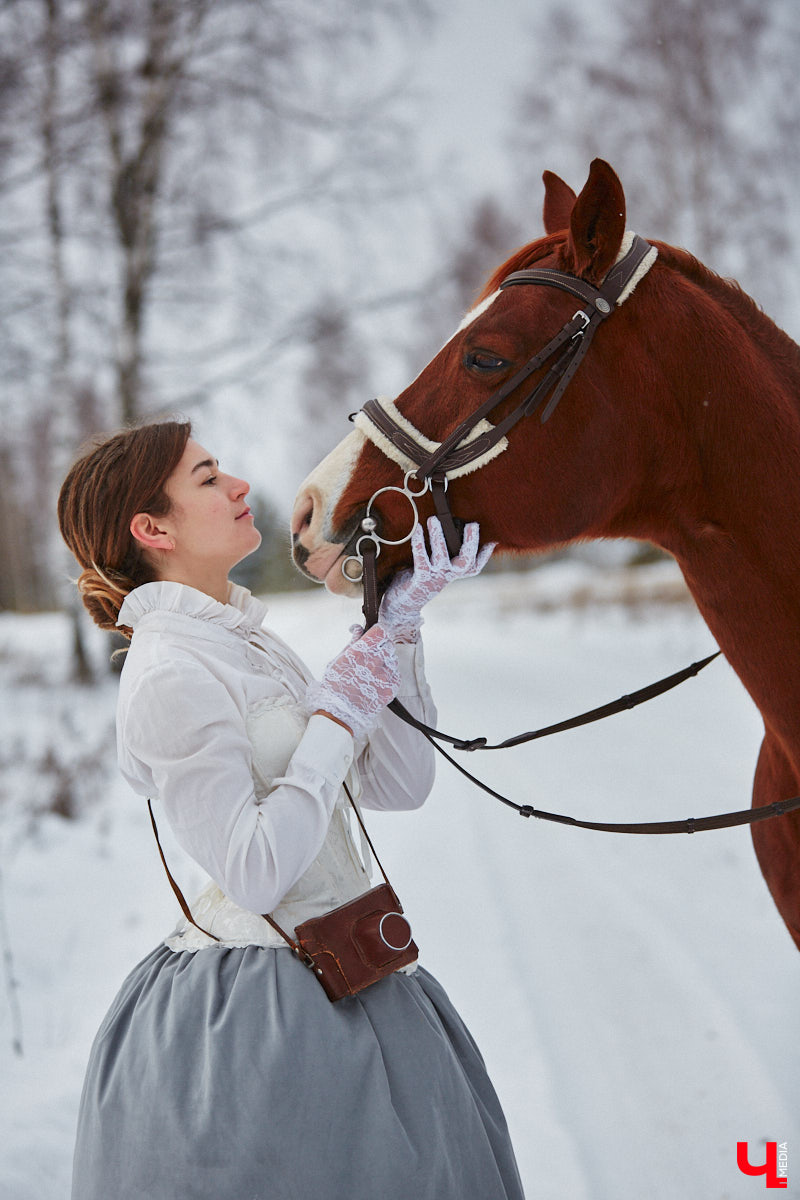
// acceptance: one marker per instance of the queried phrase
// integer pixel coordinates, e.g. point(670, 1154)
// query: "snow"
point(635, 998)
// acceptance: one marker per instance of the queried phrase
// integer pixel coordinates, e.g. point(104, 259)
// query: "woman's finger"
point(418, 550)
point(440, 559)
point(486, 553)
point(465, 559)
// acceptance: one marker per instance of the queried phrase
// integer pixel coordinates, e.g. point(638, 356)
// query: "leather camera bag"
point(359, 942)
point(351, 946)
point(356, 944)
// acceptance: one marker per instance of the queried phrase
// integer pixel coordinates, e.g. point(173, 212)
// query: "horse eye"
point(483, 360)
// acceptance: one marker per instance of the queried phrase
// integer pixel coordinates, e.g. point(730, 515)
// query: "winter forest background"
point(258, 214)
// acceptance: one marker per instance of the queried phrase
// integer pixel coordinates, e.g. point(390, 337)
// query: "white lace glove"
point(401, 607)
point(358, 684)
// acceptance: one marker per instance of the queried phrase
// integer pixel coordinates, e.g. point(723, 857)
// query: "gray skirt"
point(227, 1074)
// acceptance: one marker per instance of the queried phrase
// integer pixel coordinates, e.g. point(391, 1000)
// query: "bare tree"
point(332, 383)
point(137, 109)
point(469, 250)
point(177, 178)
point(690, 103)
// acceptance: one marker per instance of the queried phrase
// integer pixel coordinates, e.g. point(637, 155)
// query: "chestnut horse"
point(681, 427)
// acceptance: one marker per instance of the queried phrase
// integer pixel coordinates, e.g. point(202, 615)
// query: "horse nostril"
point(302, 516)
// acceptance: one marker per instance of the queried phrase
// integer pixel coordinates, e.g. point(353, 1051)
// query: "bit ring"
point(403, 491)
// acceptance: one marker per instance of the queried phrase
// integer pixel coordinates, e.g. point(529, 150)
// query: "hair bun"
point(102, 593)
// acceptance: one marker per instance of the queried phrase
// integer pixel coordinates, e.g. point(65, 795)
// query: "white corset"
point(274, 728)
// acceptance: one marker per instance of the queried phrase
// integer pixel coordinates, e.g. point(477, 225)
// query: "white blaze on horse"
point(680, 426)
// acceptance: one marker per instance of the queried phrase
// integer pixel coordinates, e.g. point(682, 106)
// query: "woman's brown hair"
point(116, 478)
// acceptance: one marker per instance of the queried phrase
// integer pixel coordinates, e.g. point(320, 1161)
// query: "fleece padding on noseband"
point(379, 439)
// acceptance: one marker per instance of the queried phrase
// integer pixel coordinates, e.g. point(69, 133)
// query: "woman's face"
point(208, 529)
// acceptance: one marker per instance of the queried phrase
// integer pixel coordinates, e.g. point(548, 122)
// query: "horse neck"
point(738, 538)
point(755, 621)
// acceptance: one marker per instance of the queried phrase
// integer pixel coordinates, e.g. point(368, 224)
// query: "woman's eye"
point(484, 360)
point(211, 479)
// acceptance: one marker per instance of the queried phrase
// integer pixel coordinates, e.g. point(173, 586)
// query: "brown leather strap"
point(623, 704)
point(297, 949)
point(623, 271)
point(610, 290)
point(187, 912)
point(369, 580)
point(451, 453)
point(294, 945)
point(397, 436)
point(600, 303)
point(364, 831)
point(452, 536)
point(747, 816)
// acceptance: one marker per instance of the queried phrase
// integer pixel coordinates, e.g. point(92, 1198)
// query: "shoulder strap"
point(187, 912)
point(297, 949)
point(364, 831)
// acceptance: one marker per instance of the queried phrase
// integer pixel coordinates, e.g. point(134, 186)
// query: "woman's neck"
point(211, 584)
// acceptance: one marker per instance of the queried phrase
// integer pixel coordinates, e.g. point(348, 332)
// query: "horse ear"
point(559, 200)
point(597, 224)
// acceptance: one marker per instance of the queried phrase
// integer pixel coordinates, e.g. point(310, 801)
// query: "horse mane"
point(732, 297)
point(520, 260)
point(725, 292)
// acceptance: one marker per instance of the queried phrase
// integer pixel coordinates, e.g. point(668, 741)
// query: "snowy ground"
point(636, 999)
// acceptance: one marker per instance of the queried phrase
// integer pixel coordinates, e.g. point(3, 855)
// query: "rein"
point(473, 443)
point(748, 816)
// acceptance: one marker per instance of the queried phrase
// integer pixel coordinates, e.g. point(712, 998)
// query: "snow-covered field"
point(636, 998)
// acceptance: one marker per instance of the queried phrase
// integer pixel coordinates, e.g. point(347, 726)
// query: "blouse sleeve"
point(397, 765)
point(184, 732)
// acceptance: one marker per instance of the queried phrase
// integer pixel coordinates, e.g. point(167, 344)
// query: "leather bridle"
point(460, 452)
point(470, 445)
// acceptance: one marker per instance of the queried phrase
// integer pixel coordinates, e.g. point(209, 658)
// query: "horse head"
point(583, 474)
point(679, 425)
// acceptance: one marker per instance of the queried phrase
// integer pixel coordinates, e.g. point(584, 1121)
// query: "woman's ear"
point(151, 533)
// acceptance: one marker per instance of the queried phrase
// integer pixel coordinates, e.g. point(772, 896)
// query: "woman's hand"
point(401, 607)
point(358, 684)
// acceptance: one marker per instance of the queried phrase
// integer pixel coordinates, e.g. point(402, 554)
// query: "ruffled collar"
point(242, 614)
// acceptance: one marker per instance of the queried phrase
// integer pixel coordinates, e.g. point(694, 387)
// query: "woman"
point(222, 1070)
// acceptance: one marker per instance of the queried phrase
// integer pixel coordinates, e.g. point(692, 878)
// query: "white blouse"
point(211, 720)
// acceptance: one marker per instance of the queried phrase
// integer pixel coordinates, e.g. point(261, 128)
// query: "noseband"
point(470, 446)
